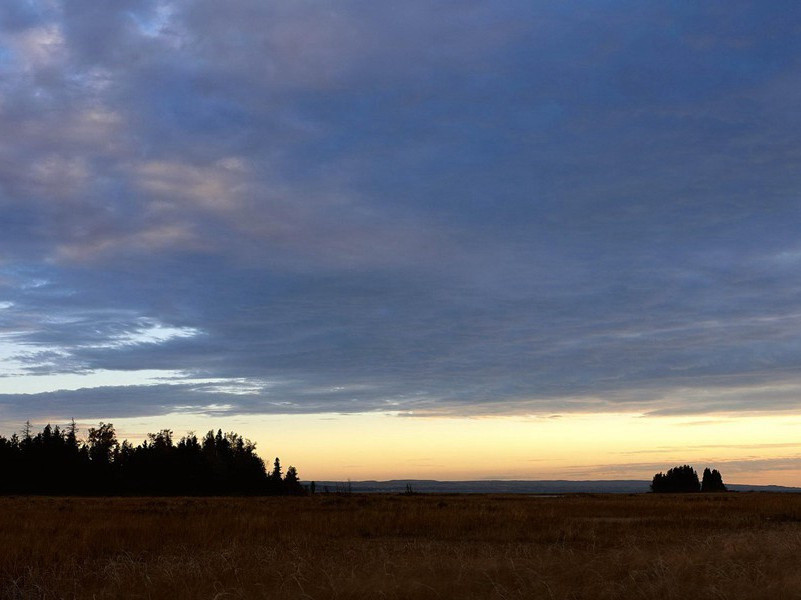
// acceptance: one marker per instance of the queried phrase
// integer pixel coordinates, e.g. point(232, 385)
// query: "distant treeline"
point(56, 461)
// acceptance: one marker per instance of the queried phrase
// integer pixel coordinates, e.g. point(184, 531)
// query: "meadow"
point(736, 545)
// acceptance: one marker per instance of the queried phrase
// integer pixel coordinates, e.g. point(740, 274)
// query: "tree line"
point(56, 461)
point(685, 479)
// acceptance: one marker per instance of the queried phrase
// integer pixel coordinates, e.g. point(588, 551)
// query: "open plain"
point(403, 546)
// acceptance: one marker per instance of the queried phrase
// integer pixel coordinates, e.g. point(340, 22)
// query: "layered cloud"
point(457, 208)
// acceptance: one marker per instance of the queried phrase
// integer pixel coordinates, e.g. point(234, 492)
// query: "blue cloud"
point(462, 209)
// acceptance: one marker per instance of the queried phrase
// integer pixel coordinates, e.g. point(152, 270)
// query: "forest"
point(56, 461)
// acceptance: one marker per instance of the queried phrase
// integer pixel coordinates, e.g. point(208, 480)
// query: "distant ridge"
point(554, 486)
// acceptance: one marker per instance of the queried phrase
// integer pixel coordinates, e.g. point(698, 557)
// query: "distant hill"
point(740, 487)
point(556, 486)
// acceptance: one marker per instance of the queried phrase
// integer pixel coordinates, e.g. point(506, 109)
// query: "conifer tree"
point(712, 481)
point(276, 474)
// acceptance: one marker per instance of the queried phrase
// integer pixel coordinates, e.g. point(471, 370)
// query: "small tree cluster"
point(712, 481)
point(685, 479)
point(55, 461)
point(677, 479)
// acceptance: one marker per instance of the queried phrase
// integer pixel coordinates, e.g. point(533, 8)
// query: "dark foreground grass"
point(381, 546)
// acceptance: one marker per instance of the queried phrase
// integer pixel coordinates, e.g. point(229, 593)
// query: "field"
point(417, 546)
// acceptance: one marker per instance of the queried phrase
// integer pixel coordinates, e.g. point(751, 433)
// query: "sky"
point(449, 239)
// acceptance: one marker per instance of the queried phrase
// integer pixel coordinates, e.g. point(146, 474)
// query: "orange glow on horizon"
point(755, 450)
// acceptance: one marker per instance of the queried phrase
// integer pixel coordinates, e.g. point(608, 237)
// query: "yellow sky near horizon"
point(746, 449)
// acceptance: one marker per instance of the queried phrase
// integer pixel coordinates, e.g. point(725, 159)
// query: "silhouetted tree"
point(276, 474)
point(72, 434)
point(292, 482)
point(712, 481)
point(102, 442)
point(677, 479)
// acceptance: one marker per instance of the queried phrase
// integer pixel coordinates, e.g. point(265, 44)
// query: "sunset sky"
point(453, 239)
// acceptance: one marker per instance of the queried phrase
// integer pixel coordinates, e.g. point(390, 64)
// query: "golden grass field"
point(419, 546)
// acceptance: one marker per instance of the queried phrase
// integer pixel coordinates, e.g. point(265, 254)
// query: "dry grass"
point(604, 546)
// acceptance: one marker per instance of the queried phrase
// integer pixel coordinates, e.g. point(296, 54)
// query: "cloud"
point(459, 209)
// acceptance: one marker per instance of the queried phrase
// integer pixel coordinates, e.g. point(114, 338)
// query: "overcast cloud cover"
point(458, 208)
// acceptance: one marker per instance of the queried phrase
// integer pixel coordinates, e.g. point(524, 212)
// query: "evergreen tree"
point(276, 474)
point(72, 435)
point(712, 481)
point(292, 482)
